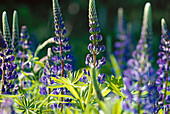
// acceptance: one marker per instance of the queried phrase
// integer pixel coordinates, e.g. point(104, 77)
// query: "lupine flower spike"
point(24, 46)
point(15, 33)
point(163, 71)
point(63, 47)
point(8, 68)
point(138, 75)
point(123, 52)
point(94, 47)
point(6, 30)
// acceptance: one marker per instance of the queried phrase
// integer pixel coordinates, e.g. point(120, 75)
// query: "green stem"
point(95, 85)
point(62, 74)
point(139, 95)
point(3, 76)
point(23, 60)
point(89, 94)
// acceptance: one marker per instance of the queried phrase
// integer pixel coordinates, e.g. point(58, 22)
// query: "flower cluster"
point(62, 58)
point(24, 49)
point(95, 38)
point(7, 66)
point(163, 71)
point(58, 62)
point(124, 45)
point(139, 76)
point(84, 77)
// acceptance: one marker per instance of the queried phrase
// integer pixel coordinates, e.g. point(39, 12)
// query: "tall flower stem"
point(94, 48)
point(62, 74)
point(139, 95)
point(3, 76)
point(23, 60)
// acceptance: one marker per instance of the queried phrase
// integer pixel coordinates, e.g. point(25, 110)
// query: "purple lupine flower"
point(3, 43)
point(84, 76)
point(24, 46)
point(139, 76)
point(95, 38)
point(101, 78)
point(94, 48)
point(63, 58)
point(7, 70)
point(163, 71)
point(124, 45)
point(24, 51)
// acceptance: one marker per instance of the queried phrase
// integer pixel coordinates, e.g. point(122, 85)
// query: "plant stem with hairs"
point(3, 76)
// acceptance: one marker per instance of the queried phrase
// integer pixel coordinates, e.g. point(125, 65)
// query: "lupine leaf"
point(67, 96)
point(73, 91)
point(117, 108)
point(115, 66)
point(56, 86)
point(39, 63)
point(68, 111)
point(43, 101)
point(112, 86)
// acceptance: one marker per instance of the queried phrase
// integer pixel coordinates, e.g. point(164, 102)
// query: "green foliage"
point(116, 67)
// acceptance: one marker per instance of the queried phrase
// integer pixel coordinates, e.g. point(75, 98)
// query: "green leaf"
point(103, 106)
point(73, 91)
point(68, 111)
point(56, 86)
point(47, 111)
point(112, 86)
point(89, 94)
point(60, 80)
point(44, 101)
point(78, 76)
point(40, 47)
point(9, 96)
point(39, 63)
point(68, 96)
point(105, 91)
point(117, 108)
point(116, 67)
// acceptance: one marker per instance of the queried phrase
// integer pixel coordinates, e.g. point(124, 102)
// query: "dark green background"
point(37, 15)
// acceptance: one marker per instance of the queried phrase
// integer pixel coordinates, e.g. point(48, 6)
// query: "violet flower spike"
point(63, 46)
point(163, 71)
point(139, 76)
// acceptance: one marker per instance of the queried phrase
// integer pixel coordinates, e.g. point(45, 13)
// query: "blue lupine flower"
point(95, 38)
point(124, 45)
point(57, 62)
point(163, 71)
point(8, 68)
point(139, 76)
point(101, 78)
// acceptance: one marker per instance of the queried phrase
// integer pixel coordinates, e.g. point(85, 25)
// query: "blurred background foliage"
point(37, 15)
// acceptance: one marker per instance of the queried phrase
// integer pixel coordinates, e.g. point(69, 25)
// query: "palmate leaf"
point(113, 85)
point(25, 105)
